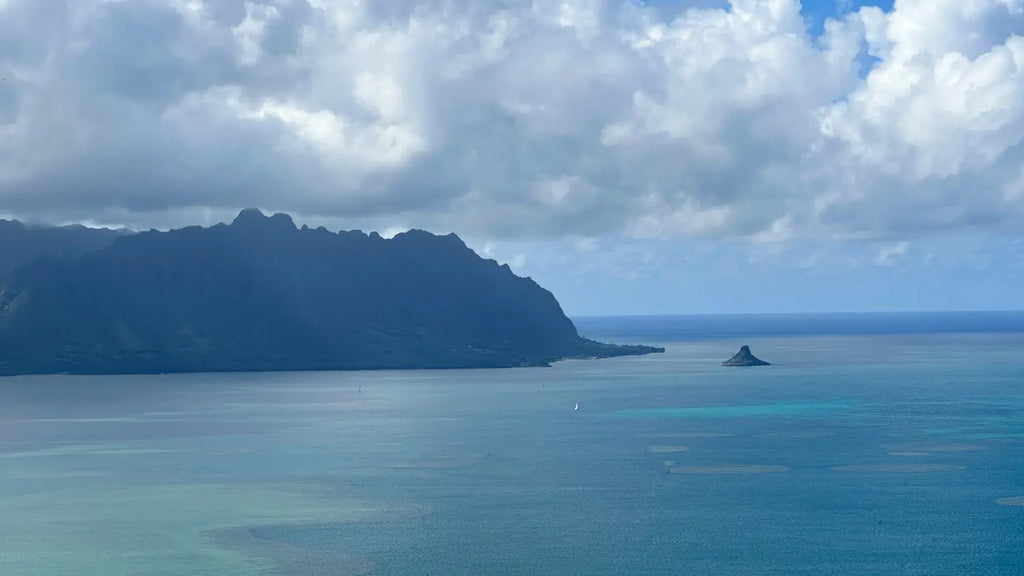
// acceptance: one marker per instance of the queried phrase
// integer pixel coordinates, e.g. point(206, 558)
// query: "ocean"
point(888, 444)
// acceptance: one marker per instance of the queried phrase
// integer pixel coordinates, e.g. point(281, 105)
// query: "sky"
point(669, 156)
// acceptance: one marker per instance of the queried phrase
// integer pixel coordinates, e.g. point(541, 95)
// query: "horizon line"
point(793, 313)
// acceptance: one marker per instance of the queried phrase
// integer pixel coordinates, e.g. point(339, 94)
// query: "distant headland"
point(745, 358)
point(262, 294)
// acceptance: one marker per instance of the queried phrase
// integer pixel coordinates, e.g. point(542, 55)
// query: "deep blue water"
point(724, 326)
point(871, 447)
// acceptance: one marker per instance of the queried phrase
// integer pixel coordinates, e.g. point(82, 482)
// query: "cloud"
point(890, 255)
point(932, 137)
point(519, 119)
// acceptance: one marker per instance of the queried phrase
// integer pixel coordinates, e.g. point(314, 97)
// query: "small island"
point(745, 358)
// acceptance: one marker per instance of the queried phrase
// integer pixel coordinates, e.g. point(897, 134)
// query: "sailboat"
point(577, 407)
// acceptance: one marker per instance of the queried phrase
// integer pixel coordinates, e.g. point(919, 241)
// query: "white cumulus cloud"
point(518, 119)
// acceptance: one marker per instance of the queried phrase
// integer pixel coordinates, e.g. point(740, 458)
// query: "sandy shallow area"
point(217, 528)
point(914, 447)
point(288, 558)
point(665, 449)
point(665, 435)
point(730, 469)
point(897, 468)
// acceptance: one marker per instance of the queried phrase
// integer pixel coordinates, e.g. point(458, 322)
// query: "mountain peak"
point(249, 215)
point(254, 218)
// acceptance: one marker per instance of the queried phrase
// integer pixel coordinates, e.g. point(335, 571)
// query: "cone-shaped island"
point(745, 358)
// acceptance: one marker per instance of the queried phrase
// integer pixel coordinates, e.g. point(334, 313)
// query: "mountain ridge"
point(263, 294)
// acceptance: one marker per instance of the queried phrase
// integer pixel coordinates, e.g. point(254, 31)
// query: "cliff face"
point(20, 244)
point(260, 294)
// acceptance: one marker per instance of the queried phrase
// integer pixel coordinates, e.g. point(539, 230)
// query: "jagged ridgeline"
point(260, 294)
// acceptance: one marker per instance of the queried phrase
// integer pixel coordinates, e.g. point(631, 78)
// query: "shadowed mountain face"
point(20, 244)
point(262, 295)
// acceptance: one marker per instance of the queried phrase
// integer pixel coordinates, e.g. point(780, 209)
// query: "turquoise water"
point(852, 455)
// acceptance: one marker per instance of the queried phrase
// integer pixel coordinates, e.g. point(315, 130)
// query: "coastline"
point(593, 350)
